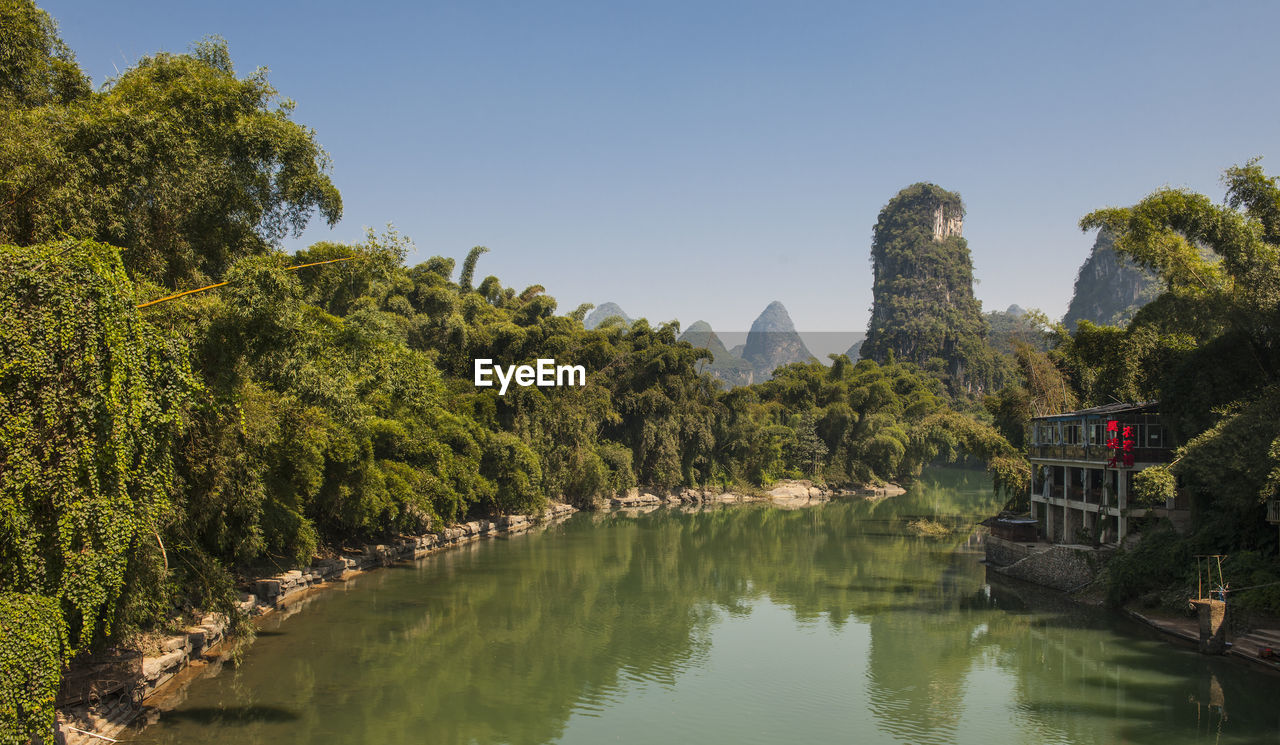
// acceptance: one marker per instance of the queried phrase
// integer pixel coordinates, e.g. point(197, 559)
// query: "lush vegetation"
point(156, 451)
point(1206, 348)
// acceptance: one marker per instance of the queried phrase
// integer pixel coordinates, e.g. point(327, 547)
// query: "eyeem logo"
point(546, 374)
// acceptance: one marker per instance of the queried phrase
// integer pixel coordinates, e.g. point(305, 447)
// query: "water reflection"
point(743, 624)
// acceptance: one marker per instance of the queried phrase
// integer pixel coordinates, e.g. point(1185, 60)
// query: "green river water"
point(745, 624)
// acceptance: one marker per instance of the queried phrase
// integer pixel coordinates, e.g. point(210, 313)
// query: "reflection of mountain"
point(512, 641)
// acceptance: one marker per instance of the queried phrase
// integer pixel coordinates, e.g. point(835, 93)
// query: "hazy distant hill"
point(727, 367)
point(1110, 288)
point(700, 334)
point(601, 312)
point(1004, 326)
point(855, 352)
point(773, 342)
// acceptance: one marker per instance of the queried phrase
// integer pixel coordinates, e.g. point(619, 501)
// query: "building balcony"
point(1094, 455)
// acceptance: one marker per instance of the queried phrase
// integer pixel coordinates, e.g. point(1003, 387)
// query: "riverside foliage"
point(153, 454)
point(1207, 348)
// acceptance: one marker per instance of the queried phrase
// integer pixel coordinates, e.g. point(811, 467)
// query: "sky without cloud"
point(696, 160)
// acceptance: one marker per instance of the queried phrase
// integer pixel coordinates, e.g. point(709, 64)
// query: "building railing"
point(1096, 454)
point(1075, 494)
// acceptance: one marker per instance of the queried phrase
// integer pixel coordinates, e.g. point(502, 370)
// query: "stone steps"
point(1258, 638)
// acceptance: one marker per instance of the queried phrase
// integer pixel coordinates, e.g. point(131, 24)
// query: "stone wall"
point(1060, 567)
point(1002, 552)
point(264, 594)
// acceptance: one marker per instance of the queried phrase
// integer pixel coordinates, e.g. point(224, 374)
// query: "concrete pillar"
point(1122, 501)
point(1050, 511)
point(1070, 522)
point(1213, 625)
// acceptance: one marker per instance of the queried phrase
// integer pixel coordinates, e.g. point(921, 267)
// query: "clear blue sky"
point(696, 160)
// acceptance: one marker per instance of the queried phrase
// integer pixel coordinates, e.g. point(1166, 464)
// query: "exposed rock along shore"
point(194, 647)
point(782, 494)
point(84, 724)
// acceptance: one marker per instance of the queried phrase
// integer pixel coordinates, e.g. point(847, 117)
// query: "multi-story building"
point(1082, 468)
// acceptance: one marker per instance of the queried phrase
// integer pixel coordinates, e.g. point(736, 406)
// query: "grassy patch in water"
point(928, 528)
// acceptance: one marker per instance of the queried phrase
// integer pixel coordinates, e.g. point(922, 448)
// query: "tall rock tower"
point(923, 309)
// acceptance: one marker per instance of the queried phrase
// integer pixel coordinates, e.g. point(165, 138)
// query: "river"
point(745, 624)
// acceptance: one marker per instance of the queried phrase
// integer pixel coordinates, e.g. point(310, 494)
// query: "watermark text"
point(544, 373)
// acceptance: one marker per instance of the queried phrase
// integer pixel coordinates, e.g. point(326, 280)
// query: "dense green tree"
point(36, 68)
point(178, 160)
point(469, 267)
point(1207, 349)
point(90, 396)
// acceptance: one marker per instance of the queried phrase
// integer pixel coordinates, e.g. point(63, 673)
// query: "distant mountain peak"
point(1110, 287)
point(773, 341)
point(922, 303)
point(724, 365)
point(603, 311)
point(700, 334)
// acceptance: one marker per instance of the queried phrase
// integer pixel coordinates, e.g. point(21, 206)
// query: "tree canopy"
point(177, 160)
point(1207, 348)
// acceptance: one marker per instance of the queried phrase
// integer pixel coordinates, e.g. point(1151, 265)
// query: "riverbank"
point(94, 718)
point(1246, 646)
point(1074, 571)
point(785, 494)
point(199, 650)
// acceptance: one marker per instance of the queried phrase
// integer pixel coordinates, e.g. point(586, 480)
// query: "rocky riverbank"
point(1062, 567)
point(787, 494)
point(181, 656)
point(93, 718)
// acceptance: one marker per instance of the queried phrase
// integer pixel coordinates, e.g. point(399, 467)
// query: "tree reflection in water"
point(521, 640)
